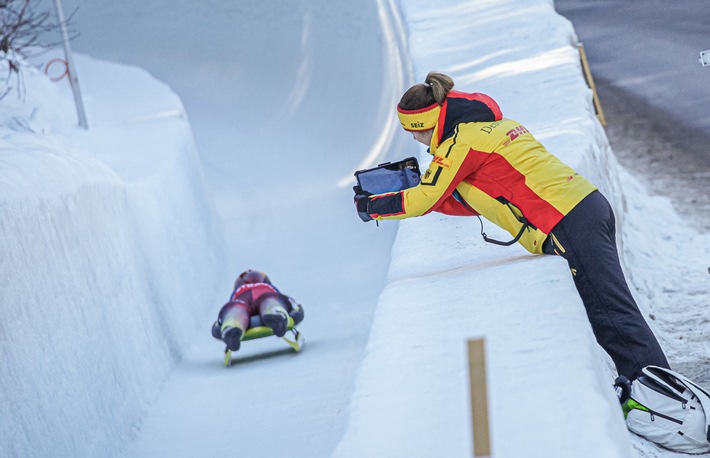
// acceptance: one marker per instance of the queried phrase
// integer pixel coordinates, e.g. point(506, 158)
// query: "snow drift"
point(109, 252)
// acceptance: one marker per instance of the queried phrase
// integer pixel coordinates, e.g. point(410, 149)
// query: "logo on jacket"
point(489, 128)
point(442, 161)
point(515, 133)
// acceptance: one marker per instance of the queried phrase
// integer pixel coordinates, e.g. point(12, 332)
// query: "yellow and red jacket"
point(487, 165)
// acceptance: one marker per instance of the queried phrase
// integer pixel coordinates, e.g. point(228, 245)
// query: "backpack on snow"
point(668, 409)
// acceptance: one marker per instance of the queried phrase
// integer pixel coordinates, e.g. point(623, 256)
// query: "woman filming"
point(484, 164)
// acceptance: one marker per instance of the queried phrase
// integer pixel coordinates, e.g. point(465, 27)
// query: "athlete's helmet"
point(251, 276)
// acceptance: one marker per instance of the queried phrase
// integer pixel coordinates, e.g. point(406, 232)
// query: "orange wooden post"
point(479, 398)
point(590, 83)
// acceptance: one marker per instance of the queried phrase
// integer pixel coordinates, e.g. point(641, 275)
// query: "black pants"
point(586, 238)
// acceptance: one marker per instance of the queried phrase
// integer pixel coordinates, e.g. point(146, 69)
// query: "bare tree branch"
point(23, 34)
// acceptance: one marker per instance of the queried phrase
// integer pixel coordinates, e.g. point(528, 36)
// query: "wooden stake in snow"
point(590, 82)
point(479, 398)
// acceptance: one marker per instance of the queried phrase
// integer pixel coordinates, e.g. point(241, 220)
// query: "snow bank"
point(107, 259)
point(453, 286)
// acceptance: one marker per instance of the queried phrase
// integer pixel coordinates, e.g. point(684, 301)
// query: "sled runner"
point(257, 330)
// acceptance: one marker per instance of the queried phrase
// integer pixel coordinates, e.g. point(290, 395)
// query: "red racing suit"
point(250, 300)
point(249, 294)
point(487, 165)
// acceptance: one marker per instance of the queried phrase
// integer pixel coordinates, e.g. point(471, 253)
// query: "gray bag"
point(669, 410)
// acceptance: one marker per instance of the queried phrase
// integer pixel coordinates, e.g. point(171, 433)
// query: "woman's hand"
point(362, 200)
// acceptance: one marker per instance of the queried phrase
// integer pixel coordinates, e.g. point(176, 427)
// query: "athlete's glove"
point(361, 200)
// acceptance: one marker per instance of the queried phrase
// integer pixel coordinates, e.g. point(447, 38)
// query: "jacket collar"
point(462, 107)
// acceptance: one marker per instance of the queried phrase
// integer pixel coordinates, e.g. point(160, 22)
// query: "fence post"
point(590, 83)
point(73, 80)
point(479, 398)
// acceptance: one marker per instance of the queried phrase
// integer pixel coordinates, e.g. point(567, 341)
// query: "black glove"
point(217, 331)
point(361, 200)
point(359, 191)
point(622, 385)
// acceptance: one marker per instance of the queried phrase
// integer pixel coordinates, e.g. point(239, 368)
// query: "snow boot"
point(622, 387)
point(277, 320)
point(232, 337)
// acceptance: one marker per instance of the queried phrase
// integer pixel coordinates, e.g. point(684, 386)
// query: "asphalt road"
point(644, 57)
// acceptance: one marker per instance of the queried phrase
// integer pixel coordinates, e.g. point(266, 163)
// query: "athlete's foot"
point(277, 321)
point(232, 337)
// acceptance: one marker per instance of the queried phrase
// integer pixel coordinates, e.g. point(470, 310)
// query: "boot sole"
point(277, 322)
point(233, 338)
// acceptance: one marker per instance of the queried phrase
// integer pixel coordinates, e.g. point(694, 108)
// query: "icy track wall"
point(107, 258)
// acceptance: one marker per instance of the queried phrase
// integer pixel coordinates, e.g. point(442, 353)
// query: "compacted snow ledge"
point(108, 258)
point(549, 383)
